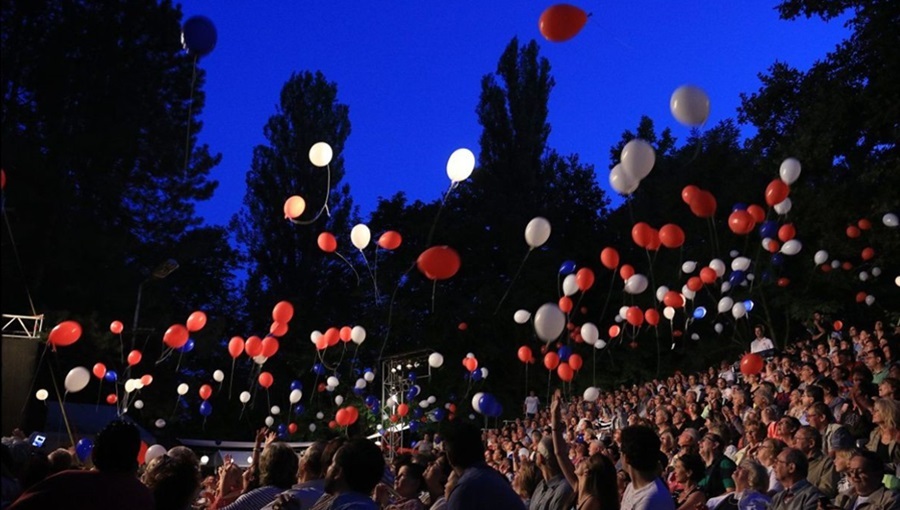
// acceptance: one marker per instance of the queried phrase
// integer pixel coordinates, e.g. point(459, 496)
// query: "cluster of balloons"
point(637, 160)
point(333, 335)
point(487, 404)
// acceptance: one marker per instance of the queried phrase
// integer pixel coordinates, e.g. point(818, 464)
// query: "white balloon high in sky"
point(460, 165)
point(689, 105)
point(320, 154)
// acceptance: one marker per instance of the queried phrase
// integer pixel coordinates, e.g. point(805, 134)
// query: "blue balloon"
point(188, 346)
point(414, 426)
point(111, 376)
point(296, 385)
point(83, 448)
point(282, 429)
point(777, 259)
point(476, 375)
point(417, 412)
point(700, 312)
point(567, 267)
point(199, 36)
point(739, 206)
point(439, 414)
point(298, 409)
point(358, 391)
point(205, 408)
point(736, 277)
point(769, 229)
point(490, 406)
point(371, 400)
point(748, 304)
point(318, 369)
point(411, 377)
point(564, 353)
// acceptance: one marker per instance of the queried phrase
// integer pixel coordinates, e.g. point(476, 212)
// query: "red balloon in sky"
point(438, 262)
point(561, 22)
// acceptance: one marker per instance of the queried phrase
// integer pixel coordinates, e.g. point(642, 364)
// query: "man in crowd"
point(479, 486)
point(865, 474)
point(531, 405)
point(640, 460)
point(791, 469)
point(820, 470)
point(310, 478)
point(761, 344)
point(553, 491)
point(356, 469)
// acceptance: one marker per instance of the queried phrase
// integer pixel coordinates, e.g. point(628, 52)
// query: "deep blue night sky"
point(410, 72)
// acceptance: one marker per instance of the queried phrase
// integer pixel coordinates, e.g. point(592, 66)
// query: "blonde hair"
point(890, 412)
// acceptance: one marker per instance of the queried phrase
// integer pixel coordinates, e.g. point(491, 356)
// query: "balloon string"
point(231, 378)
point(433, 290)
point(187, 141)
point(513, 281)
point(391, 310)
point(350, 266)
point(612, 280)
point(371, 273)
point(62, 406)
point(324, 206)
point(438, 215)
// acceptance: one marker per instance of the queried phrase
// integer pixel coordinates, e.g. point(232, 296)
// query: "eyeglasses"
point(857, 472)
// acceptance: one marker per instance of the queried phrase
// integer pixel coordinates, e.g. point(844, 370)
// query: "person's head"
point(786, 428)
point(711, 445)
point(526, 480)
point(173, 479)
point(462, 442)
point(60, 460)
point(874, 359)
point(312, 462)
point(886, 413)
point(546, 459)
point(842, 458)
point(865, 473)
point(640, 449)
point(759, 331)
point(410, 480)
point(688, 439)
point(889, 388)
point(598, 476)
point(116, 448)
point(791, 466)
point(768, 451)
point(808, 371)
point(750, 474)
point(666, 441)
point(278, 465)
point(689, 468)
point(819, 416)
point(357, 466)
point(808, 440)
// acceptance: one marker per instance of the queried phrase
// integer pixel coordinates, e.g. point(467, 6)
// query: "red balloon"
point(838, 325)
point(99, 370)
point(269, 346)
point(757, 212)
point(146, 379)
point(345, 333)
point(278, 329)
point(438, 262)
point(751, 364)
point(332, 336)
point(525, 354)
point(708, 275)
point(609, 257)
point(651, 316)
point(614, 330)
point(321, 343)
point(283, 312)
point(671, 236)
point(142, 453)
point(394, 418)
point(116, 327)
point(333, 424)
point(565, 304)
point(176, 336)
point(642, 234)
point(584, 279)
point(576, 362)
point(265, 380)
point(626, 271)
point(196, 321)
point(342, 417)
point(470, 363)
point(864, 224)
point(826, 268)
point(403, 409)
point(134, 357)
point(561, 22)
point(321, 387)
point(853, 232)
point(787, 232)
point(65, 333)
point(704, 204)
point(292, 428)
point(390, 240)
point(235, 346)
point(868, 254)
point(846, 266)
point(2, 179)
point(776, 192)
point(772, 246)
point(551, 360)
point(654, 243)
point(111, 399)
point(688, 193)
point(205, 392)
point(673, 299)
point(740, 222)
point(695, 283)
point(634, 316)
point(253, 346)
point(565, 372)
point(463, 326)
point(327, 242)
point(784, 282)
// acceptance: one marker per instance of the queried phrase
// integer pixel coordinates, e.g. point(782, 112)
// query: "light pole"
point(161, 271)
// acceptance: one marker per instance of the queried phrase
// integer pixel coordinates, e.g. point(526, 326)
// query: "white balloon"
point(182, 389)
point(218, 376)
point(791, 247)
point(725, 304)
point(360, 384)
point(435, 360)
point(138, 404)
point(688, 267)
point(338, 400)
point(689, 105)
point(358, 334)
point(623, 311)
point(320, 415)
point(320, 154)
point(821, 257)
point(591, 394)
point(876, 272)
point(315, 336)
point(77, 379)
point(369, 376)
point(312, 427)
point(160, 423)
point(360, 235)
point(669, 312)
point(245, 397)
point(270, 421)
point(138, 384)
point(890, 220)
point(661, 292)
point(154, 452)
point(484, 372)
point(636, 284)
point(537, 232)
point(130, 385)
point(695, 336)
point(733, 253)
point(259, 360)
point(687, 293)
point(638, 158)
point(835, 264)
point(789, 171)
point(718, 266)
point(569, 286)
point(432, 399)
point(295, 396)
point(740, 264)
point(784, 206)
point(423, 404)
point(726, 286)
point(738, 310)
point(590, 333)
point(521, 316)
point(600, 344)
point(621, 182)
point(475, 399)
point(549, 322)
point(863, 276)
point(332, 381)
point(41, 394)
point(719, 328)
point(897, 281)
point(204, 460)
point(460, 165)
point(618, 318)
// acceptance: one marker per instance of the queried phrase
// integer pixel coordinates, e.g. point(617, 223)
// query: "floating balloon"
point(621, 182)
point(820, 257)
point(438, 262)
point(718, 266)
point(671, 236)
point(294, 207)
point(320, 154)
point(725, 304)
point(327, 242)
point(521, 316)
point(551, 360)
point(787, 232)
point(569, 286)
point(703, 204)
point(358, 334)
point(561, 22)
point(638, 158)
point(176, 336)
point(41, 394)
point(738, 310)
point(751, 364)
point(636, 284)
point(460, 165)
point(890, 220)
point(584, 279)
point(360, 235)
point(218, 376)
point(783, 207)
point(196, 321)
point(651, 316)
point(244, 397)
point(699, 312)
point(524, 353)
point(565, 372)
point(83, 449)
point(689, 105)
point(740, 222)
point(116, 327)
point(435, 360)
point(537, 232)
point(99, 370)
point(265, 379)
point(792, 247)
point(77, 379)
point(688, 267)
point(134, 357)
point(205, 409)
point(590, 333)
point(199, 36)
point(65, 333)
point(549, 322)
point(390, 240)
point(789, 171)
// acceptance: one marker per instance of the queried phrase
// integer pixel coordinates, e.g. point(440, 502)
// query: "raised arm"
point(559, 445)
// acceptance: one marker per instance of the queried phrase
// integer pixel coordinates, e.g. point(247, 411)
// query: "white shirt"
point(761, 344)
point(531, 404)
point(653, 496)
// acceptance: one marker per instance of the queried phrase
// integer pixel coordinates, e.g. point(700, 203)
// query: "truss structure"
point(399, 373)
point(23, 326)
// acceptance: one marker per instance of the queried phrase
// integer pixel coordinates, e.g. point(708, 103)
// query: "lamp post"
point(161, 271)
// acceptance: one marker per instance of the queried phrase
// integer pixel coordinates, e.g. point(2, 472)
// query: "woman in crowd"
point(884, 438)
point(526, 481)
point(750, 482)
point(409, 483)
point(689, 470)
point(766, 455)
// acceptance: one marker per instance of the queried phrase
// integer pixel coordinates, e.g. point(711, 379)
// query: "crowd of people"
point(815, 429)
